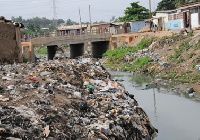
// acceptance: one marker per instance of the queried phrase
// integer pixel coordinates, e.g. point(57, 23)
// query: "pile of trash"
point(68, 99)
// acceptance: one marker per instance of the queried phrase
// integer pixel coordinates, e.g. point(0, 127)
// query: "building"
point(160, 18)
point(186, 16)
point(120, 28)
point(10, 41)
point(137, 25)
point(100, 28)
point(71, 30)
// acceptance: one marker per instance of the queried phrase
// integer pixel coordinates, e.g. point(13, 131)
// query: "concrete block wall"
point(10, 43)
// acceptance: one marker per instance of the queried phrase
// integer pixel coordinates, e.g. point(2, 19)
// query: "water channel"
point(176, 116)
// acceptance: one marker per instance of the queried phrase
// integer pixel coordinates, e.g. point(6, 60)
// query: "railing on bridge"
point(56, 34)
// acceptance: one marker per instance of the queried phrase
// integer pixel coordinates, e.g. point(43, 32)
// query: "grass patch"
point(187, 46)
point(188, 78)
point(41, 50)
point(190, 34)
point(117, 55)
point(168, 76)
point(190, 55)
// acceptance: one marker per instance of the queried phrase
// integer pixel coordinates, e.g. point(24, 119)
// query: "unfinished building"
point(10, 41)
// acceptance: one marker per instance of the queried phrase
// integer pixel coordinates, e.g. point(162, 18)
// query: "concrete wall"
point(163, 21)
point(137, 25)
point(10, 43)
point(176, 24)
point(195, 20)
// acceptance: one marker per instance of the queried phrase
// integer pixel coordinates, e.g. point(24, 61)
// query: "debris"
point(190, 90)
point(68, 99)
point(46, 131)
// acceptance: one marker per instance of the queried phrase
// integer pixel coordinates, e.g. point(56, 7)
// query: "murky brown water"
point(175, 116)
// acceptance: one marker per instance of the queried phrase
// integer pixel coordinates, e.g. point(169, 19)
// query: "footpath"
point(68, 99)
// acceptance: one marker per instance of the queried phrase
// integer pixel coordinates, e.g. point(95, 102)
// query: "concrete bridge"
point(78, 44)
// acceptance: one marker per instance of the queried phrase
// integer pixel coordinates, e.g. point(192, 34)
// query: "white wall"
point(165, 20)
point(194, 20)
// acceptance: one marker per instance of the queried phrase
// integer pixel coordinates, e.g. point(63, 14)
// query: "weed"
point(25, 59)
point(117, 55)
point(180, 60)
point(190, 55)
point(171, 75)
point(142, 61)
point(186, 44)
point(194, 65)
point(191, 34)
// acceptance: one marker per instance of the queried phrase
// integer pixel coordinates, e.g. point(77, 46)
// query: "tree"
point(113, 19)
point(59, 21)
point(171, 4)
point(70, 22)
point(135, 12)
point(31, 27)
point(166, 5)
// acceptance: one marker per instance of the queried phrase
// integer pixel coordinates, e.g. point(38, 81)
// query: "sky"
point(101, 10)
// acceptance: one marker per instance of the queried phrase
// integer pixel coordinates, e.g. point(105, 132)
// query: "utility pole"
point(90, 19)
point(80, 21)
point(54, 13)
point(149, 8)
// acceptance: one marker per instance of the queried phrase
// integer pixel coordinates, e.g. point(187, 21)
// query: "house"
point(120, 28)
point(186, 16)
point(71, 29)
point(160, 18)
point(137, 25)
point(100, 28)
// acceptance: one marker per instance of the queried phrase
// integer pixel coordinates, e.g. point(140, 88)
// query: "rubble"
point(68, 99)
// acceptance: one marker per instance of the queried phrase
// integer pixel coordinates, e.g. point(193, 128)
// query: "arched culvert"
point(51, 51)
point(76, 50)
point(99, 48)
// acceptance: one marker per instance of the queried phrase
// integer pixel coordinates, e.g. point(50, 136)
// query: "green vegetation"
point(135, 12)
point(186, 44)
point(41, 50)
point(176, 57)
point(116, 56)
point(171, 4)
point(190, 55)
point(25, 59)
point(188, 78)
point(168, 76)
point(191, 34)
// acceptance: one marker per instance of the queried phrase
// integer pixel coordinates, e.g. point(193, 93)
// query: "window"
point(174, 17)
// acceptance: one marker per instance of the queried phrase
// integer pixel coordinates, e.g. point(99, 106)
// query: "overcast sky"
point(101, 10)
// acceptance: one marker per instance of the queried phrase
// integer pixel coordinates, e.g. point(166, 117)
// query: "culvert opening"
point(99, 48)
point(51, 51)
point(76, 50)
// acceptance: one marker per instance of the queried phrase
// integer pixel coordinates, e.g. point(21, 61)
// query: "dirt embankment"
point(174, 54)
point(181, 55)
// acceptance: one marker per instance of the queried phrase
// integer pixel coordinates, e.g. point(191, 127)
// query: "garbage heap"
point(68, 99)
